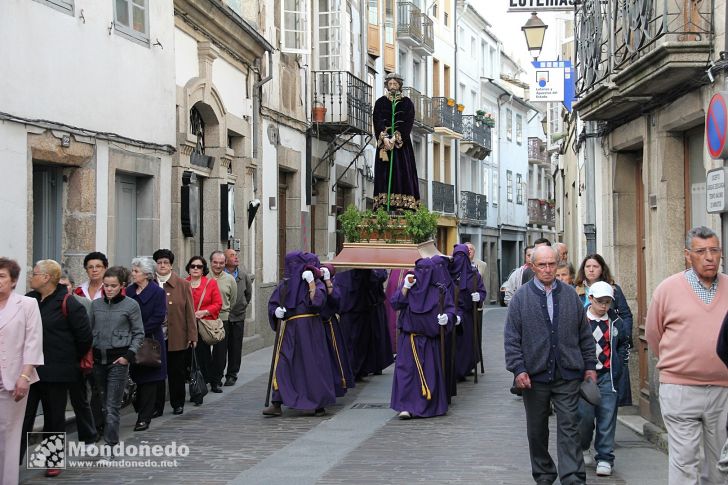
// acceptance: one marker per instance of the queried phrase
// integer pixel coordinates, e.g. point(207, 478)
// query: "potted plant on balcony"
point(461, 107)
point(479, 114)
point(450, 102)
point(318, 112)
point(488, 120)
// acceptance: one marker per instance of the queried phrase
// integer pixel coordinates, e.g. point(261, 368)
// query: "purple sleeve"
point(273, 303)
point(319, 297)
point(398, 300)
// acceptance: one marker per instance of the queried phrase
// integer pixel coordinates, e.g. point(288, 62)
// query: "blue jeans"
point(606, 421)
point(111, 381)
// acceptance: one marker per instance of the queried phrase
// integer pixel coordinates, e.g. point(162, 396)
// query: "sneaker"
point(405, 415)
point(588, 458)
point(604, 469)
point(106, 461)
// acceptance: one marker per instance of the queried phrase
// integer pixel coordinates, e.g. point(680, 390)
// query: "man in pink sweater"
point(683, 323)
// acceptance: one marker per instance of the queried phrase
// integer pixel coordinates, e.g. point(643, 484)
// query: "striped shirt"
point(705, 294)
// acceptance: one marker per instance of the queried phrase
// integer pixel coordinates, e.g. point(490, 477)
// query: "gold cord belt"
point(280, 342)
point(336, 349)
point(423, 382)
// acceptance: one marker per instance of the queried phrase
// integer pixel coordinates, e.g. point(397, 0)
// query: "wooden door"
point(282, 246)
point(644, 380)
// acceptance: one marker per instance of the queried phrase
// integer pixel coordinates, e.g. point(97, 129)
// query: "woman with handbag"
point(150, 366)
point(208, 303)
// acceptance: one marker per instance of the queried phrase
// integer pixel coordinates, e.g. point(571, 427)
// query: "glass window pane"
point(139, 2)
point(139, 22)
point(122, 12)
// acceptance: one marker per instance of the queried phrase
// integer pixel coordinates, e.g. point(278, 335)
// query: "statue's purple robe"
point(418, 327)
point(364, 319)
point(467, 280)
point(405, 189)
point(303, 375)
point(339, 356)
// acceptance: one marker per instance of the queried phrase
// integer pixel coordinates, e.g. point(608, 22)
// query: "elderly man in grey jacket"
point(235, 325)
point(550, 350)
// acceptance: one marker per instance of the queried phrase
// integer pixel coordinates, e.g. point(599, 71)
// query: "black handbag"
point(198, 386)
point(149, 353)
point(130, 393)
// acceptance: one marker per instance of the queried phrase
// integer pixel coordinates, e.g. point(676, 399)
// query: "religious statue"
point(396, 186)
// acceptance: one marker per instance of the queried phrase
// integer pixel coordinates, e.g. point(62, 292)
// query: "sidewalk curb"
point(650, 431)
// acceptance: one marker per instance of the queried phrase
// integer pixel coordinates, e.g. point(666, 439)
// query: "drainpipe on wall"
point(256, 103)
point(590, 226)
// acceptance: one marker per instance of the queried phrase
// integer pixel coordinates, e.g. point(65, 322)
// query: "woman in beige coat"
point(21, 350)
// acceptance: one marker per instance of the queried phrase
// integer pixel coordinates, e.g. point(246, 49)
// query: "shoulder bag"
point(211, 331)
point(149, 353)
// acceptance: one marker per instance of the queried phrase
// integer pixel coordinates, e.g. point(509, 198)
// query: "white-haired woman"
point(152, 301)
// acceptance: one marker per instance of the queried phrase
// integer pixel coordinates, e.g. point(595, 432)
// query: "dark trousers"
point(111, 381)
point(229, 352)
point(160, 397)
point(53, 396)
point(204, 360)
point(146, 399)
point(85, 424)
point(565, 397)
point(178, 363)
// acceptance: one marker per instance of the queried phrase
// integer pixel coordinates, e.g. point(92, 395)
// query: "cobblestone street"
point(359, 441)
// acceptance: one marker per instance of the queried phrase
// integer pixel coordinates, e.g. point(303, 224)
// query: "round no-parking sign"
point(716, 126)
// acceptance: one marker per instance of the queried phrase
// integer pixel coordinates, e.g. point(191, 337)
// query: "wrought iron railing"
point(611, 35)
point(346, 98)
point(473, 207)
point(537, 151)
point(443, 115)
point(541, 212)
point(428, 33)
point(443, 197)
point(423, 108)
point(476, 131)
point(409, 21)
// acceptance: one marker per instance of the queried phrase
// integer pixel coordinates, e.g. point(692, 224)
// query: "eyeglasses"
point(703, 251)
point(602, 301)
point(197, 266)
point(97, 266)
point(545, 265)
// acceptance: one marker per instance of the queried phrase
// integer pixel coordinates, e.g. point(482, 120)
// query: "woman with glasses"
point(116, 323)
point(593, 268)
point(208, 303)
point(153, 304)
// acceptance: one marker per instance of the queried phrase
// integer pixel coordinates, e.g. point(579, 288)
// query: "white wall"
point(14, 196)
point(230, 83)
point(186, 62)
point(76, 72)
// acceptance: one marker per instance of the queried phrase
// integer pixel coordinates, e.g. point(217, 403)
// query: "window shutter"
point(294, 27)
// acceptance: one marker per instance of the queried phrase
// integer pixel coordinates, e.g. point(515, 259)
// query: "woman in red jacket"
point(208, 302)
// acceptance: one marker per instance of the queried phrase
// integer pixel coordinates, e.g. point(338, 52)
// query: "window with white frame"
point(389, 21)
point(65, 6)
point(519, 129)
point(416, 74)
point(131, 18)
point(509, 124)
point(473, 51)
point(294, 39)
point(483, 59)
point(461, 38)
point(509, 186)
point(333, 36)
point(495, 187)
point(486, 182)
point(474, 166)
point(519, 189)
point(374, 12)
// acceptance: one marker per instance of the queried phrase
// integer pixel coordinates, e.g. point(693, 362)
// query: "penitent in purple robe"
point(466, 280)
point(405, 188)
point(364, 319)
point(394, 282)
point(419, 385)
point(339, 356)
point(302, 377)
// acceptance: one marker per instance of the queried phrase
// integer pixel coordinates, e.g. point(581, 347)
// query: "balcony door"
point(334, 36)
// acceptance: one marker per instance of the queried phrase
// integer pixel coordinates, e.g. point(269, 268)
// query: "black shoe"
point(230, 381)
point(319, 412)
point(197, 403)
point(142, 426)
point(178, 410)
point(215, 388)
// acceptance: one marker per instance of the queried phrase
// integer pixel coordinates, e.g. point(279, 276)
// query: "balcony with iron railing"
point(473, 208)
point(537, 152)
point(476, 137)
point(427, 46)
point(541, 212)
point(447, 119)
point(424, 121)
point(423, 191)
point(633, 56)
point(443, 197)
point(346, 101)
point(409, 24)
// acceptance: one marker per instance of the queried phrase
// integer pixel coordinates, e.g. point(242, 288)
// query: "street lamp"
point(535, 31)
point(545, 124)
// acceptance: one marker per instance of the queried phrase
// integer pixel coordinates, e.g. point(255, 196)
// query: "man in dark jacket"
point(235, 325)
point(550, 349)
point(66, 338)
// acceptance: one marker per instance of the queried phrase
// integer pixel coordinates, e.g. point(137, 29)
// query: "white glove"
point(325, 273)
point(457, 321)
point(307, 276)
point(407, 283)
point(280, 312)
point(442, 319)
point(475, 296)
